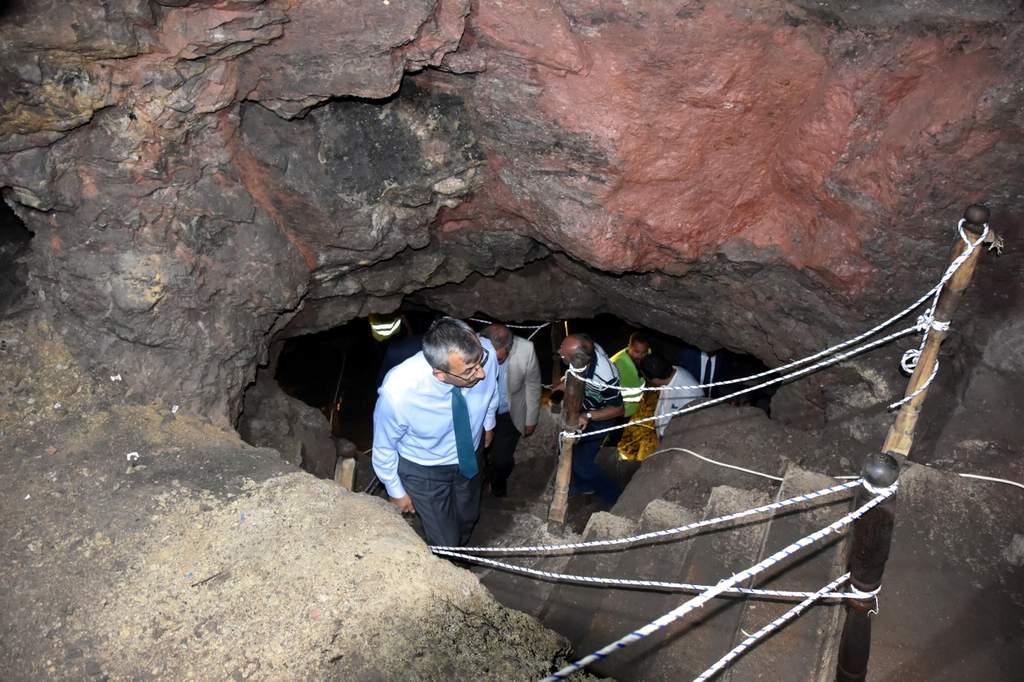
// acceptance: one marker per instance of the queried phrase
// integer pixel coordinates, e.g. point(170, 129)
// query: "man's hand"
point(488, 437)
point(583, 422)
point(404, 504)
point(528, 430)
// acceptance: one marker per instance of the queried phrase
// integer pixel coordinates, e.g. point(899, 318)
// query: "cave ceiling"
point(205, 176)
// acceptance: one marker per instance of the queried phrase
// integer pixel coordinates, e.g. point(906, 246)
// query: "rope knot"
point(909, 360)
point(861, 595)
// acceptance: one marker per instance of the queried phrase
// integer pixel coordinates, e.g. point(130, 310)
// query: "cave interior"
point(205, 200)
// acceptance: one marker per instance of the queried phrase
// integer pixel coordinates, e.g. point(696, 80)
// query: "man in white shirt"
point(518, 402)
point(431, 414)
point(659, 372)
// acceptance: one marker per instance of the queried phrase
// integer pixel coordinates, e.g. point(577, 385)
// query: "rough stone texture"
point(199, 173)
point(603, 526)
point(273, 419)
point(660, 514)
point(313, 60)
point(1014, 552)
point(203, 177)
point(207, 558)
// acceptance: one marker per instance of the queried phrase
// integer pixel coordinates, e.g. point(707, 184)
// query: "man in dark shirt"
point(601, 407)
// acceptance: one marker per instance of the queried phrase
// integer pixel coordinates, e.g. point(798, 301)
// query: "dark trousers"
point(612, 438)
point(586, 474)
point(447, 502)
point(501, 454)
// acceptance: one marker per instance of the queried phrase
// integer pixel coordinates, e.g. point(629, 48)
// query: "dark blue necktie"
point(709, 374)
point(463, 435)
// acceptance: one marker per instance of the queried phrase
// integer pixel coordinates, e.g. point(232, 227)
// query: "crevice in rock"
point(15, 238)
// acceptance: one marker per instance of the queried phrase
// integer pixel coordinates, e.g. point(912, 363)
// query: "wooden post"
point(872, 534)
point(345, 473)
point(901, 434)
point(872, 537)
point(570, 422)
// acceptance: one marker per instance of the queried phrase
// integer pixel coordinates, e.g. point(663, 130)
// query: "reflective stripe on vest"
point(632, 395)
point(386, 329)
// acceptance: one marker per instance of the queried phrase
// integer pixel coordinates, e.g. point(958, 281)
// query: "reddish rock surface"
point(205, 176)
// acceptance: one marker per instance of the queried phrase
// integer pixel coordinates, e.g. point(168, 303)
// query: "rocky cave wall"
point(206, 176)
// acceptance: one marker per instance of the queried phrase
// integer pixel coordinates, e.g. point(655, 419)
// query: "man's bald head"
point(576, 350)
point(501, 337)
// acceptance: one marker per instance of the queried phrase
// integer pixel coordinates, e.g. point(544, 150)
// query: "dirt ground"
point(206, 558)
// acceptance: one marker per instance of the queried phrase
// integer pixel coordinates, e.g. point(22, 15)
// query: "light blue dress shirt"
point(413, 417)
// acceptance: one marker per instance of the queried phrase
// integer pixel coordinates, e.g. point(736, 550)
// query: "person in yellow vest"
point(627, 362)
point(385, 326)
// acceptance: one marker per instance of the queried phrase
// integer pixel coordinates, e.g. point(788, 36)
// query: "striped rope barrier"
point(535, 327)
point(924, 324)
point(632, 583)
point(772, 506)
point(778, 380)
point(750, 640)
point(702, 599)
point(511, 326)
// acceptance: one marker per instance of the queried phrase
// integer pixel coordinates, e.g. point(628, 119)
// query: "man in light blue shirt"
point(432, 412)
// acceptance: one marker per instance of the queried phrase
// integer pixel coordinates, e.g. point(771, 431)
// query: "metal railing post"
point(872, 536)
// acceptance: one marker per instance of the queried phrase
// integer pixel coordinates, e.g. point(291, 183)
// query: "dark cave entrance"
point(14, 240)
point(338, 371)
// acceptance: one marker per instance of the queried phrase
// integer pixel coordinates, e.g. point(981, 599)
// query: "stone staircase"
point(670, 492)
point(952, 604)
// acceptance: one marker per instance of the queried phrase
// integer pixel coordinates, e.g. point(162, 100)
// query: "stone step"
point(621, 610)
point(689, 646)
point(570, 608)
point(804, 649)
point(687, 481)
point(519, 528)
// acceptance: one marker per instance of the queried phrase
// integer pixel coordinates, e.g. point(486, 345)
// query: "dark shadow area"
point(718, 364)
point(14, 241)
point(338, 371)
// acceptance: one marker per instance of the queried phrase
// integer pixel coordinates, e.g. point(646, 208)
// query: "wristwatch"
point(590, 416)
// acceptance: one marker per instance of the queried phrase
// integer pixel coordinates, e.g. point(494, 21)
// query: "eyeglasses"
point(471, 370)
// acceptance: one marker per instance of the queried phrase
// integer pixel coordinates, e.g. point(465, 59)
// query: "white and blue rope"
point(924, 324)
point(535, 327)
point(772, 506)
point(778, 380)
point(928, 321)
point(750, 640)
point(631, 583)
point(700, 600)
